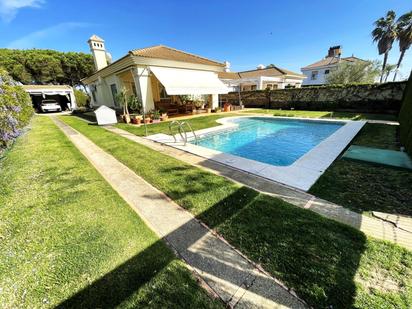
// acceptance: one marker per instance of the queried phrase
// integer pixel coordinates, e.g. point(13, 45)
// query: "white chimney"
point(99, 52)
point(227, 66)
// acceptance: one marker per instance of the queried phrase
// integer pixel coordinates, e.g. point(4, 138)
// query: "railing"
point(181, 130)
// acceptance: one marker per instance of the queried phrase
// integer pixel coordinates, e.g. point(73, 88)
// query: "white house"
point(157, 75)
point(262, 78)
point(316, 73)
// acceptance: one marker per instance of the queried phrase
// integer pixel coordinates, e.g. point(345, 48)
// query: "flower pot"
point(156, 120)
point(227, 107)
point(147, 120)
point(209, 110)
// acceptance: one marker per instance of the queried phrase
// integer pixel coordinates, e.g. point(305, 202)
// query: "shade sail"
point(183, 81)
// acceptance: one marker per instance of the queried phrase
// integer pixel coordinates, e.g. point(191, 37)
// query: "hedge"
point(15, 110)
point(405, 117)
point(367, 98)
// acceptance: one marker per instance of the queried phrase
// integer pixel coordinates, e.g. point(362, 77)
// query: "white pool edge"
point(302, 174)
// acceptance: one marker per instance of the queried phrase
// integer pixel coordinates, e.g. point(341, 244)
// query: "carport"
point(63, 94)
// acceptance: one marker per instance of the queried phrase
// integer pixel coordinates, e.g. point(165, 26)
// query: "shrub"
point(82, 99)
point(15, 109)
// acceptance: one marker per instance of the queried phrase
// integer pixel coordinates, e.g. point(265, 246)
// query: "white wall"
point(321, 77)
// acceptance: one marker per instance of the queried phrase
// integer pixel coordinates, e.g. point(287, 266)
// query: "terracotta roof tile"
point(330, 61)
point(228, 75)
point(168, 53)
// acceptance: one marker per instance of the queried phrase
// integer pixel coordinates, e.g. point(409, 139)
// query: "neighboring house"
point(157, 75)
point(261, 78)
point(316, 73)
point(63, 94)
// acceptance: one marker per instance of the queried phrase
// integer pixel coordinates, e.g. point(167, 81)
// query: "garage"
point(51, 97)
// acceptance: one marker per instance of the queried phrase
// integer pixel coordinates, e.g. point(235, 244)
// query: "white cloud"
point(34, 39)
point(9, 8)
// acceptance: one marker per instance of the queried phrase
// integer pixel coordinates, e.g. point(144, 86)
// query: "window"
point(327, 72)
point(94, 92)
point(314, 75)
point(269, 86)
point(275, 86)
point(113, 88)
point(162, 92)
point(253, 87)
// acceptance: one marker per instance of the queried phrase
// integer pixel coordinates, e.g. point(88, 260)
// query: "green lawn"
point(322, 114)
point(208, 121)
point(67, 238)
point(197, 123)
point(366, 187)
point(327, 263)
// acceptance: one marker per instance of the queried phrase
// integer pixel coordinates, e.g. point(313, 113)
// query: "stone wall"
point(375, 98)
point(405, 118)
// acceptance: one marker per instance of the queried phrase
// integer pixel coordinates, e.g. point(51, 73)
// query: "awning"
point(183, 81)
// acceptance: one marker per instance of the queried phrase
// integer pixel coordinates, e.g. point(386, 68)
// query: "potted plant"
point(156, 116)
point(163, 115)
point(121, 99)
point(137, 119)
point(147, 118)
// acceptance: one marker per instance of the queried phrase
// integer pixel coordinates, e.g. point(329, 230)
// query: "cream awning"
point(183, 81)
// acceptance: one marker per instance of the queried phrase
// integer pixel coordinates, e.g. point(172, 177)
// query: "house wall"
point(321, 78)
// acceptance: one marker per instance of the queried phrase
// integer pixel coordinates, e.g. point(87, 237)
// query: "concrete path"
point(230, 275)
point(381, 227)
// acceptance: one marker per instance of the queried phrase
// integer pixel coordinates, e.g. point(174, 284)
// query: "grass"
point(197, 123)
point(208, 121)
point(365, 187)
point(66, 237)
point(323, 114)
point(327, 263)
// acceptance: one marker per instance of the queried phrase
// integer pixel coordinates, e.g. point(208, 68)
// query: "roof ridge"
point(176, 50)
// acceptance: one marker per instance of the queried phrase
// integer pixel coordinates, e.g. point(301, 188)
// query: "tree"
point(389, 68)
point(354, 72)
point(43, 66)
point(404, 25)
point(385, 34)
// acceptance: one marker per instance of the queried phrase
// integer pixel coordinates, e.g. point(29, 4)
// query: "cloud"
point(33, 39)
point(9, 8)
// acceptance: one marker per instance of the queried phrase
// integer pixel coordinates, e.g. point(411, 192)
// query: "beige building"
point(157, 75)
point(261, 78)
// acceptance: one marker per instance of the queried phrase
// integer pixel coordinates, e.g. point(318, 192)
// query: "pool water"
point(274, 141)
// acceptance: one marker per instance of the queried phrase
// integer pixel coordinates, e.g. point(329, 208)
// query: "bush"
point(15, 110)
point(82, 99)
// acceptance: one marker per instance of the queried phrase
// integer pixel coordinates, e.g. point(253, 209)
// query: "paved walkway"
point(394, 228)
point(230, 275)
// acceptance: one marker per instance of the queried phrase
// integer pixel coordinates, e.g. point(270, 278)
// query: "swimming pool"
point(294, 152)
point(273, 141)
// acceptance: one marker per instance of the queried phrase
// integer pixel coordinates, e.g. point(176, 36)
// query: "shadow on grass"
point(315, 256)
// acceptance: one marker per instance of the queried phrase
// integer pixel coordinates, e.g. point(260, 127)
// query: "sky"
point(289, 34)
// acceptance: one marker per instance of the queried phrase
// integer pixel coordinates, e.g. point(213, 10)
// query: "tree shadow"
point(315, 256)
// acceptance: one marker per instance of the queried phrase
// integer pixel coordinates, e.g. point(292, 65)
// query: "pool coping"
point(301, 174)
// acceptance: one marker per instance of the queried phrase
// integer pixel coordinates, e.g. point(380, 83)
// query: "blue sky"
point(290, 34)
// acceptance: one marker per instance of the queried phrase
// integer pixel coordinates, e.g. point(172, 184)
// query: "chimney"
point(227, 66)
point(99, 52)
point(335, 51)
point(260, 67)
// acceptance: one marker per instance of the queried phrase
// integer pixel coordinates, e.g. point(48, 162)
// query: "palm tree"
point(390, 68)
point(404, 37)
point(385, 33)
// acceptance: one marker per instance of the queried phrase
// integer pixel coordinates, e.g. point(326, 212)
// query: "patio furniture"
point(168, 106)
